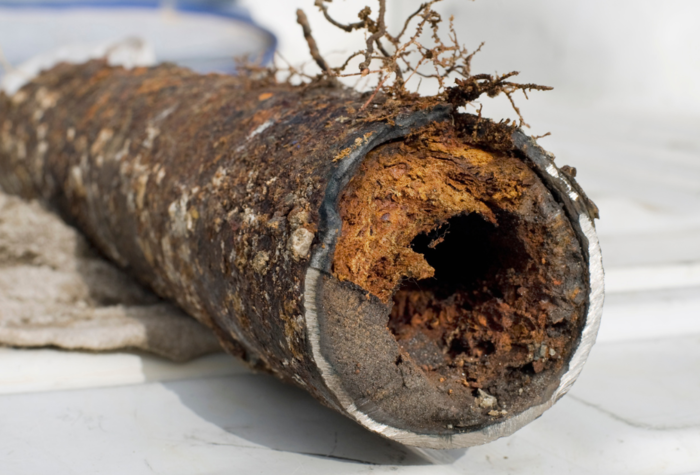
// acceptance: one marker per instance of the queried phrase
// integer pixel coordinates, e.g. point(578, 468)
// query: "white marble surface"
point(633, 411)
point(39, 370)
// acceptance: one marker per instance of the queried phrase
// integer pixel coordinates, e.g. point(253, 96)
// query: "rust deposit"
point(486, 287)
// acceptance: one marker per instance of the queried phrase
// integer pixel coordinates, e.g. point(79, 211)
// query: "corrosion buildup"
point(429, 274)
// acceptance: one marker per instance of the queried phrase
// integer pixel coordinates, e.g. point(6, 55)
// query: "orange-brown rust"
point(455, 235)
point(408, 188)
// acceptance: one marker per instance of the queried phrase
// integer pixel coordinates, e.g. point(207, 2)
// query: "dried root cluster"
point(417, 50)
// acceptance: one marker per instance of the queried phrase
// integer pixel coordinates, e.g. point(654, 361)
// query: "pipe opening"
point(470, 317)
point(480, 272)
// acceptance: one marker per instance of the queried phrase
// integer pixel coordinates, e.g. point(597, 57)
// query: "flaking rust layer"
point(487, 277)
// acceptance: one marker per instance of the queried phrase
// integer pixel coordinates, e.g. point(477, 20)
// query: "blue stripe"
point(231, 12)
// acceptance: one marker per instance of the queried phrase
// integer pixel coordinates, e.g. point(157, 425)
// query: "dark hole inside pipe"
point(452, 319)
point(461, 251)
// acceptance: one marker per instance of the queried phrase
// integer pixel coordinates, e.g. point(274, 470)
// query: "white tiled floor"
point(634, 410)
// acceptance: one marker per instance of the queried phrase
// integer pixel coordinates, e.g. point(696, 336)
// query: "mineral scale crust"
point(424, 273)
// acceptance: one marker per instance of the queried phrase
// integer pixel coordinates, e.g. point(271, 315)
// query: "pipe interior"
point(465, 319)
point(478, 264)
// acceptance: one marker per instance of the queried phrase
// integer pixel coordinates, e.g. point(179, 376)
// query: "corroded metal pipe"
point(243, 202)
